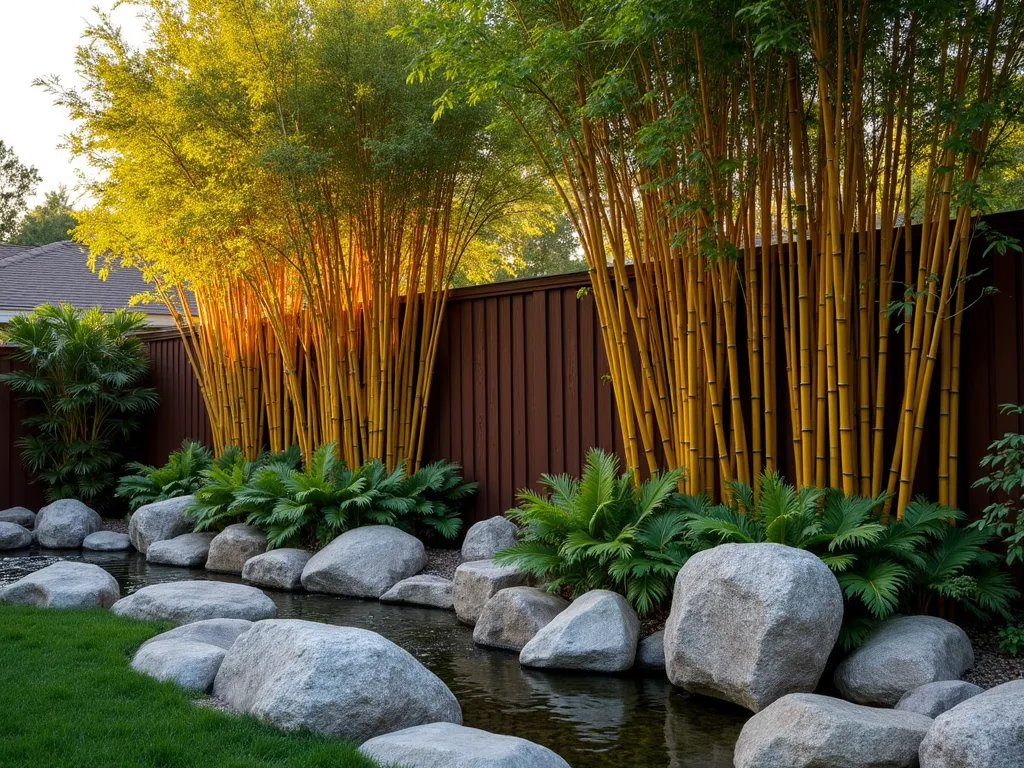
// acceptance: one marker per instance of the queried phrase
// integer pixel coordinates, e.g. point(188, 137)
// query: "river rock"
point(184, 602)
point(107, 541)
point(751, 623)
point(425, 589)
point(160, 520)
point(186, 551)
point(487, 538)
point(26, 518)
point(64, 585)
point(191, 665)
point(233, 546)
point(598, 632)
point(219, 632)
point(14, 536)
point(904, 653)
point(478, 581)
point(65, 523)
point(364, 562)
point(932, 699)
point(444, 745)
point(986, 731)
point(278, 568)
point(650, 653)
point(341, 681)
point(804, 730)
point(514, 616)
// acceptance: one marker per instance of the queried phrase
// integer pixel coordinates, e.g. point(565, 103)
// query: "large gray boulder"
point(65, 523)
point(186, 551)
point(364, 562)
point(184, 602)
point(191, 665)
point(278, 568)
point(804, 730)
point(751, 623)
point(478, 581)
point(341, 681)
point(233, 546)
point(64, 585)
point(445, 745)
point(107, 541)
point(219, 632)
point(932, 699)
point(14, 536)
point(650, 653)
point(26, 518)
point(424, 589)
point(160, 520)
point(487, 538)
point(598, 632)
point(986, 731)
point(904, 653)
point(514, 616)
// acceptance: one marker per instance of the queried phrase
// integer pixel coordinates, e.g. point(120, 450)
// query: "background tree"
point(17, 183)
point(49, 222)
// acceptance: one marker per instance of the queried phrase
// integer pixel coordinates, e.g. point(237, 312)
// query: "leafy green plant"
point(1011, 639)
point(602, 532)
point(180, 476)
point(1004, 517)
point(82, 380)
point(909, 564)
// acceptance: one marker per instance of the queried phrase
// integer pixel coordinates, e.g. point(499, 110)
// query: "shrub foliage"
point(180, 476)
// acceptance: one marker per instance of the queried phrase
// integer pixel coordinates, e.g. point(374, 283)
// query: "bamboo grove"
point(295, 206)
point(744, 178)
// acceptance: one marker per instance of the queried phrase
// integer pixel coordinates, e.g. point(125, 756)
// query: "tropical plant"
point(82, 381)
point(911, 563)
point(602, 532)
point(1011, 639)
point(180, 476)
point(1004, 517)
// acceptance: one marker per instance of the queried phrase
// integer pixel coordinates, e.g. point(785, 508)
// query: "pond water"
point(592, 721)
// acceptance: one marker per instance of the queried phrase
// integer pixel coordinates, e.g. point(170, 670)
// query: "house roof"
point(59, 273)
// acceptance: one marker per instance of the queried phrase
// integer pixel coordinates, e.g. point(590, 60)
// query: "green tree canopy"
point(17, 182)
point(50, 222)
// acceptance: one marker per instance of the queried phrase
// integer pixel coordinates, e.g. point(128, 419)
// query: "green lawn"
point(68, 698)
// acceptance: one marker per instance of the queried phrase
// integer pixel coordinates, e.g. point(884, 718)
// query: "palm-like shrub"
point(83, 378)
point(602, 532)
point(180, 476)
point(907, 564)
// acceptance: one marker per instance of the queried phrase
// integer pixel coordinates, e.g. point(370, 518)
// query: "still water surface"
point(592, 721)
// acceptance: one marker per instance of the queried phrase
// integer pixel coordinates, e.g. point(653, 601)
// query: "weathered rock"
point(751, 623)
point(107, 541)
point(904, 653)
point(341, 681)
point(26, 518)
point(219, 632)
point(364, 562)
point(233, 546)
point(650, 653)
point(425, 589)
point(64, 585)
point(478, 581)
point(278, 568)
point(187, 551)
point(514, 616)
point(487, 538)
point(65, 523)
point(446, 745)
point(159, 521)
point(598, 632)
point(184, 602)
point(191, 665)
point(14, 536)
point(932, 699)
point(804, 730)
point(986, 731)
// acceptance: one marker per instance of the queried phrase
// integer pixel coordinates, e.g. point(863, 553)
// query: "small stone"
point(424, 589)
point(514, 616)
point(191, 665)
point(65, 523)
point(478, 581)
point(64, 585)
point(107, 541)
point(26, 518)
point(233, 546)
point(14, 536)
point(487, 538)
point(186, 551)
point(651, 652)
point(184, 602)
point(159, 521)
point(446, 745)
point(278, 569)
point(932, 699)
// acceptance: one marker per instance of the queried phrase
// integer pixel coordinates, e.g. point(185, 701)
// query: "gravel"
point(117, 525)
point(442, 562)
point(992, 667)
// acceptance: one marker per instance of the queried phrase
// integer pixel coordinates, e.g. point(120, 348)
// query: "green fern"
point(180, 476)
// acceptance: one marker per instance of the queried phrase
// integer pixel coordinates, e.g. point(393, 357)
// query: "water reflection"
point(592, 721)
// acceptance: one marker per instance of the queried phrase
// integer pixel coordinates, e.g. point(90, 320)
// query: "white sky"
point(39, 38)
